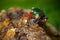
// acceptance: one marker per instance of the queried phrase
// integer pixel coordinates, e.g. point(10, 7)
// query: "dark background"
point(50, 7)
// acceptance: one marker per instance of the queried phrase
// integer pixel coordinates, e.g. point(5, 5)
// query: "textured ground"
point(12, 26)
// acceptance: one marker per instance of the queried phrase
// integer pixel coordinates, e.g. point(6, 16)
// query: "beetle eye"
point(45, 20)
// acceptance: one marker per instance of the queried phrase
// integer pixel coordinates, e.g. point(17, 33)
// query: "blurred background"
point(50, 7)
